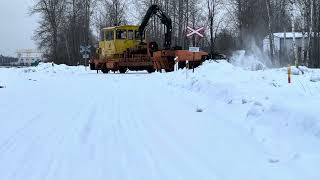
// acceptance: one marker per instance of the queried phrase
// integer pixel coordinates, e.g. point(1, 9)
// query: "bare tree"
point(63, 27)
point(271, 39)
point(302, 4)
point(51, 13)
point(211, 11)
point(310, 24)
point(295, 53)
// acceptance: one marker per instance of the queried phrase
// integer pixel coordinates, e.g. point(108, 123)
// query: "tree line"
point(230, 24)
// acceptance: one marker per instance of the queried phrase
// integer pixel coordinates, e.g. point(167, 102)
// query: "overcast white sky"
point(16, 26)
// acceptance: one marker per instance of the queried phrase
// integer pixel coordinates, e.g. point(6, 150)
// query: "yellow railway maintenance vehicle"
point(122, 49)
point(125, 47)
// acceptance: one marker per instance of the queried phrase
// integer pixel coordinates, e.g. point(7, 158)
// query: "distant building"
point(26, 57)
point(7, 61)
point(283, 46)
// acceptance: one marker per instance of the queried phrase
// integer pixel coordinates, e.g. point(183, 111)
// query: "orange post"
point(289, 73)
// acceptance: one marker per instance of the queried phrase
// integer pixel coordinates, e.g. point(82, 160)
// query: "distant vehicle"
point(35, 63)
point(125, 47)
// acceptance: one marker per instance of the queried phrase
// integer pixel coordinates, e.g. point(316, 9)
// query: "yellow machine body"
point(118, 39)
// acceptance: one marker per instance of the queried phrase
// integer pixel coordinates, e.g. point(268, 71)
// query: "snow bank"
point(59, 69)
point(315, 78)
point(283, 117)
point(222, 117)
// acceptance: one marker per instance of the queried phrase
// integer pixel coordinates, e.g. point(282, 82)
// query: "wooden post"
point(187, 68)
point(289, 74)
point(193, 62)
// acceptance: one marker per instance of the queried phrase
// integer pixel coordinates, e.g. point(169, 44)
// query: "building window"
point(121, 34)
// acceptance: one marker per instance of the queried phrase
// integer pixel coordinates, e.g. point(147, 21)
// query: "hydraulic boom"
point(165, 19)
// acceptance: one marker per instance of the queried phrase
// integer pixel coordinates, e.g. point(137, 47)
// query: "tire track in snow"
point(48, 133)
point(139, 157)
point(64, 141)
point(176, 145)
point(107, 136)
point(105, 140)
point(19, 132)
point(82, 145)
point(119, 130)
point(155, 136)
point(157, 171)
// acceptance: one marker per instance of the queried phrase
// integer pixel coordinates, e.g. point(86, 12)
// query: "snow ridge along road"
point(65, 123)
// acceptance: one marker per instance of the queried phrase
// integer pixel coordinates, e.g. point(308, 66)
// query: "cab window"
point(109, 35)
point(121, 34)
point(138, 36)
point(130, 35)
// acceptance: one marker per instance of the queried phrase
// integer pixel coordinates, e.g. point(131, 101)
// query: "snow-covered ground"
point(222, 122)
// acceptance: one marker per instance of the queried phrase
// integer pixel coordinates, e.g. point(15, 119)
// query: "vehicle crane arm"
point(165, 19)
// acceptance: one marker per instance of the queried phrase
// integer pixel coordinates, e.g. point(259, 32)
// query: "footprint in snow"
point(258, 104)
point(273, 161)
point(199, 110)
point(256, 110)
point(244, 101)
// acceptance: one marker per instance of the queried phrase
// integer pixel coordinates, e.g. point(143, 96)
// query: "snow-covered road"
point(81, 126)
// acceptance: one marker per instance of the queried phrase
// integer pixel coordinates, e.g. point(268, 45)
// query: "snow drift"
point(283, 117)
point(224, 121)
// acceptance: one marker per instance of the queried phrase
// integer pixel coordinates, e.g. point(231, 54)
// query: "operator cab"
point(116, 40)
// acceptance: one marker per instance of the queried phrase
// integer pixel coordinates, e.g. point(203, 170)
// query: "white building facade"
point(26, 57)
